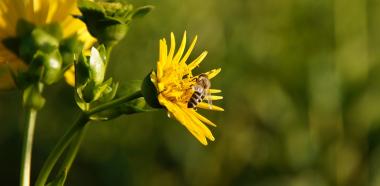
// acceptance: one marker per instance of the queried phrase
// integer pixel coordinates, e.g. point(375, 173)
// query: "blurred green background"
point(301, 87)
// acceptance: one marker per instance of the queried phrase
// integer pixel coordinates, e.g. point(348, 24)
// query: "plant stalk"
point(77, 128)
point(26, 155)
point(59, 148)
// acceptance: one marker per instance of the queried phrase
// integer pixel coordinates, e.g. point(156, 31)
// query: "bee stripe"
point(194, 100)
point(198, 97)
point(197, 93)
point(191, 105)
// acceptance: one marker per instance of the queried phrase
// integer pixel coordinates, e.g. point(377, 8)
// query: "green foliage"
point(90, 85)
point(138, 105)
point(109, 21)
point(301, 109)
point(44, 50)
point(69, 48)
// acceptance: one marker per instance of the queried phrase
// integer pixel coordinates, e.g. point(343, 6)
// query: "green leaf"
point(82, 73)
point(102, 89)
point(69, 48)
point(88, 92)
point(142, 11)
point(79, 100)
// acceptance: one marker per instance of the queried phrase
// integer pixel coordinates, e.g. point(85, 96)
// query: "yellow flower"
point(39, 12)
point(174, 82)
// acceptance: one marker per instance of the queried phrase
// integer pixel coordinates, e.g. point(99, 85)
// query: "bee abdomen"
point(195, 99)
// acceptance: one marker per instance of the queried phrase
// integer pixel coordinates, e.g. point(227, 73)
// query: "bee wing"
point(208, 97)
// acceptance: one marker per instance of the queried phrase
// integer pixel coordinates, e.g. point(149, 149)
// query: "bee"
point(201, 90)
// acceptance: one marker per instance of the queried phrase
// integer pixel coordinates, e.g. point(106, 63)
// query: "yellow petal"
point(206, 131)
point(41, 12)
point(70, 76)
point(199, 130)
point(214, 97)
point(163, 51)
point(163, 57)
point(207, 106)
point(184, 58)
point(202, 118)
point(197, 61)
point(212, 73)
point(214, 91)
point(172, 47)
point(181, 49)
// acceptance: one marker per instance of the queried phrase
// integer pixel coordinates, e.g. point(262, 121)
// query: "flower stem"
point(59, 148)
point(76, 129)
point(71, 153)
point(114, 103)
point(26, 155)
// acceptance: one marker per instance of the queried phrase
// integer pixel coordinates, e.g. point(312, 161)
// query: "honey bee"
point(201, 90)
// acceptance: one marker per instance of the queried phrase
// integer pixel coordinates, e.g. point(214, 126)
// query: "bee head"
point(204, 81)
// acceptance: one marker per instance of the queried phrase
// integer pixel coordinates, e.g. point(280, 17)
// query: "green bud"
point(52, 64)
point(45, 67)
point(149, 92)
point(108, 21)
point(90, 73)
point(103, 89)
point(31, 38)
point(92, 68)
point(32, 97)
point(97, 64)
point(89, 94)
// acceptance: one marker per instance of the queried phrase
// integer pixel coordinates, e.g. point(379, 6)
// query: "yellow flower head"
point(38, 12)
point(175, 83)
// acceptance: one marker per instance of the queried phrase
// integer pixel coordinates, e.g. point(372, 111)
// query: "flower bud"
point(149, 92)
point(90, 73)
point(108, 21)
point(44, 39)
point(32, 97)
point(52, 66)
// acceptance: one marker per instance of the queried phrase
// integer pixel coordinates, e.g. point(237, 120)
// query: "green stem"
point(26, 155)
point(71, 153)
point(58, 150)
point(68, 137)
point(114, 102)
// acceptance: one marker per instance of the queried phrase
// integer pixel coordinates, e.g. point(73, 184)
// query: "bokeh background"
point(301, 87)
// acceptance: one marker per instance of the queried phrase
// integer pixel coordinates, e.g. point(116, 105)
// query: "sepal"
point(149, 92)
